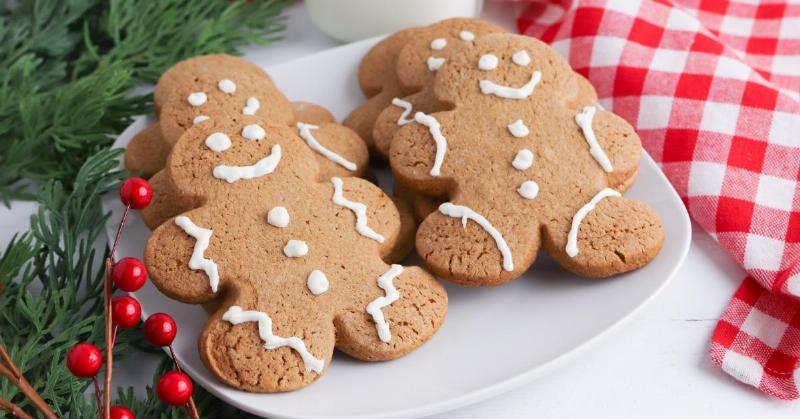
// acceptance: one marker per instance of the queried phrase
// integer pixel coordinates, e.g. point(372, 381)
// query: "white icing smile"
point(235, 316)
point(385, 281)
point(489, 87)
point(263, 167)
point(305, 133)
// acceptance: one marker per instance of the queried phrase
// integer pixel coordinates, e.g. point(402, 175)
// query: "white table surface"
point(656, 366)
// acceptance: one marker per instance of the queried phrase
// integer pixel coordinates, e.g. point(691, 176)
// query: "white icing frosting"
point(251, 106)
point(197, 98)
point(295, 248)
point(235, 316)
point(466, 36)
point(317, 282)
point(584, 120)
point(278, 217)
point(434, 63)
point(200, 118)
point(459, 211)
point(400, 103)
point(358, 208)
point(438, 44)
point(521, 58)
point(572, 237)
point(227, 86)
point(198, 260)
point(263, 167)
point(518, 129)
point(305, 133)
point(441, 142)
point(218, 142)
point(253, 132)
point(385, 281)
point(488, 87)
point(529, 189)
point(523, 160)
point(487, 62)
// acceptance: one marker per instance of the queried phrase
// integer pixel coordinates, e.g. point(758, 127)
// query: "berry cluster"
point(129, 274)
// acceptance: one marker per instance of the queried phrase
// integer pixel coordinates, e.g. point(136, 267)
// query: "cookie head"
point(423, 56)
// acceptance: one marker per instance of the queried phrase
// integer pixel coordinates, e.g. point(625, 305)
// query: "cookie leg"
point(411, 319)
point(618, 235)
point(263, 349)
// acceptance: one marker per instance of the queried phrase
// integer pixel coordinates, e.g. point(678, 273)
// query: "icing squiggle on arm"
point(385, 281)
point(584, 120)
point(305, 133)
point(358, 208)
point(198, 260)
point(459, 211)
point(235, 315)
point(489, 87)
point(400, 103)
point(435, 129)
point(263, 167)
point(572, 237)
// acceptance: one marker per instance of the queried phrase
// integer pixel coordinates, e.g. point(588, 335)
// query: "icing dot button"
point(278, 217)
point(218, 142)
point(253, 132)
point(227, 86)
point(317, 282)
point(523, 160)
point(197, 98)
point(295, 249)
point(487, 62)
point(200, 118)
point(521, 58)
point(438, 44)
point(529, 189)
point(251, 106)
point(518, 129)
point(434, 63)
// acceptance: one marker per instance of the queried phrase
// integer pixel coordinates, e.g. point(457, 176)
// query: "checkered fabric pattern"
point(712, 88)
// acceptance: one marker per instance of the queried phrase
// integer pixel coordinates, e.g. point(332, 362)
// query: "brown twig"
point(109, 341)
point(9, 370)
point(13, 409)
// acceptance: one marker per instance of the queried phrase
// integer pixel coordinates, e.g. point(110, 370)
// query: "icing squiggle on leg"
point(572, 237)
point(385, 281)
point(235, 315)
point(465, 213)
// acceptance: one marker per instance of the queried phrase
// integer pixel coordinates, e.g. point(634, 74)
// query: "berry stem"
point(114, 340)
point(119, 231)
point(14, 410)
point(10, 371)
point(97, 397)
point(190, 407)
point(174, 359)
point(108, 336)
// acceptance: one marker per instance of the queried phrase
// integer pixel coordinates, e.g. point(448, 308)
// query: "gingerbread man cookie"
point(295, 261)
point(521, 169)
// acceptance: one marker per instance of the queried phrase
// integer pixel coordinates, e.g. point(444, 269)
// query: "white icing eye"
point(295, 249)
point(200, 118)
point(197, 98)
point(278, 217)
point(434, 63)
point(317, 282)
point(227, 86)
point(218, 142)
point(251, 106)
point(521, 58)
point(253, 132)
point(518, 129)
point(487, 62)
point(523, 160)
point(466, 36)
point(529, 189)
point(438, 44)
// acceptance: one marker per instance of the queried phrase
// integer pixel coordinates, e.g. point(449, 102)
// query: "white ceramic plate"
point(493, 339)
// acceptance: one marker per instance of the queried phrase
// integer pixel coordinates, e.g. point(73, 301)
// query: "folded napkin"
point(712, 88)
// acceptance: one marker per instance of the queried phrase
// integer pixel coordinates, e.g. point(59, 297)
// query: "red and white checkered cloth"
point(712, 88)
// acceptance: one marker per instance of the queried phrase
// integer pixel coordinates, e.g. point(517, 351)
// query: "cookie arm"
point(337, 149)
point(147, 153)
point(622, 145)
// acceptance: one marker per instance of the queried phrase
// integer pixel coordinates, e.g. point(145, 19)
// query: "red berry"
point(129, 274)
point(84, 360)
point(160, 329)
point(126, 312)
point(121, 412)
point(135, 192)
point(174, 388)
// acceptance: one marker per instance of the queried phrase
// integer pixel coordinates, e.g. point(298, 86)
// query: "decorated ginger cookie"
point(295, 262)
point(521, 168)
point(417, 64)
